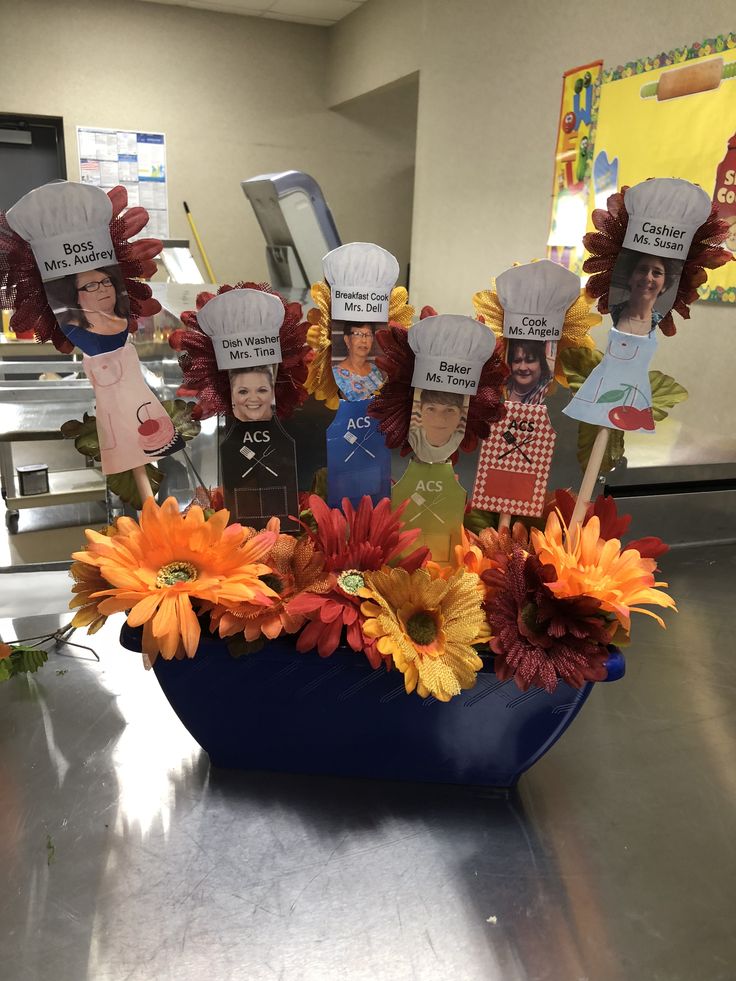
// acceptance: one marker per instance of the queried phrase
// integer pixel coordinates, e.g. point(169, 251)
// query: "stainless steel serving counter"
point(124, 856)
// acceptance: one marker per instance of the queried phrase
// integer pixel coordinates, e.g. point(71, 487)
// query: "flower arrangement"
point(539, 604)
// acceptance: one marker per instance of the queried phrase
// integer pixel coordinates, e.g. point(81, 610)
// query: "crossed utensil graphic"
point(508, 437)
point(421, 502)
point(250, 455)
point(352, 439)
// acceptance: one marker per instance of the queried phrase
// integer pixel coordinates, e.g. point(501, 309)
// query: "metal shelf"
point(65, 487)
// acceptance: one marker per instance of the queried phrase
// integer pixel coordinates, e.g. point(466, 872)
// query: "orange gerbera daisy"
point(590, 566)
point(156, 568)
point(295, 566)
point(427, 626)
point(88, 584)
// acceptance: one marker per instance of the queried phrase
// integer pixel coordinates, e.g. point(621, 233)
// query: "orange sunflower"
point(88, 584)
point(295, 565)
point(588, 565)
point(427, 625)
point(157, 567)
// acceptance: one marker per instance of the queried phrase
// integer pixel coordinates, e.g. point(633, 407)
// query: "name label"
point(358, 303)
point(532, 326)
point(246, 350)
point(658, 237)
point(73, 252)
point(446, 374)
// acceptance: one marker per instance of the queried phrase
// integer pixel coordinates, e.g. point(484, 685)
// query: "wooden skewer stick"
point(142, 483)
point(589, 478)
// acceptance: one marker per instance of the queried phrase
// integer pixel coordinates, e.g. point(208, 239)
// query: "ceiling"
point(322, 13)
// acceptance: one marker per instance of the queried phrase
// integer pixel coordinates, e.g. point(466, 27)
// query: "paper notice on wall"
point(108, 157)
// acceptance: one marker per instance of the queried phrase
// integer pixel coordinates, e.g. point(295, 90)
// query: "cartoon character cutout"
point(67, 226)
point(664, 214)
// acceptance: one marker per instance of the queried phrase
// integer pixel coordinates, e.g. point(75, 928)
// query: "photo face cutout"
point(643, 289)
point(353, 359)
point(252, 391)
point(532, 369)
point(90, 302)
point(437, 424)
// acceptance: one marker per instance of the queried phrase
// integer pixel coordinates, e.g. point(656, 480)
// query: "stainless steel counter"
point(123, 856)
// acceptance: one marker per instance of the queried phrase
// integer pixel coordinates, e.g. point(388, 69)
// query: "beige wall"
point(235, 97)
point(489, 93)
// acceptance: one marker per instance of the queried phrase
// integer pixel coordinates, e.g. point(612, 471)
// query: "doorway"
point(31, 154)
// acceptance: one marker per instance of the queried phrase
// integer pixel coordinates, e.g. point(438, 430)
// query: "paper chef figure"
point(258, 458)
point(361, 276)
point(67, 226)
point(664, 214)
point(514, 461)
point(450, 352)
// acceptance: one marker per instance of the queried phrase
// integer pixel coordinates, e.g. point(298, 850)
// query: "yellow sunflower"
point(157, 568)
point(588, 565)
point(579, 320)
point(427, 625)
point(320, 380)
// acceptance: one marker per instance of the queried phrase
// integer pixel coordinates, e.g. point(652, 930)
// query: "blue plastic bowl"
point(299, 713)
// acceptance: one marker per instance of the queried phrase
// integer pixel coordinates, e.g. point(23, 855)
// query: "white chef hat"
point(361, 276)
point(535, 298)
point(450, 351)
point(244, 326)
point(67, 226)
point(664, 214)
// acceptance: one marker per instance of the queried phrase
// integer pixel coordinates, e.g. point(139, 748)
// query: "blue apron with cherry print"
point(617, 393)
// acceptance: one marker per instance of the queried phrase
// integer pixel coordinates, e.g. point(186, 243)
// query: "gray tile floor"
point(123, 856)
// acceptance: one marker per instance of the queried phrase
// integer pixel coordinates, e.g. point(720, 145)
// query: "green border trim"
point(717, 294)
point(711, 46)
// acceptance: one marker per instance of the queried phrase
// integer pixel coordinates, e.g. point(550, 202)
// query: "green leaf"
point(27, 660)
point(577, 363)
point(6, 669)
point(180, 413)
point(614, 450)
point(240, 647)
point(319, 483)
point(124, 485)
point(84, 434)
point(476, 520)
point(614, 395)
point(666, 393)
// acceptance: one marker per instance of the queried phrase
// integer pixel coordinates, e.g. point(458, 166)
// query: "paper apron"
point(259, 474)
point(358, 460)
point(133, 427)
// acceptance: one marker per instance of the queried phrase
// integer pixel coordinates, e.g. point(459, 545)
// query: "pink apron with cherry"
point(132, 425)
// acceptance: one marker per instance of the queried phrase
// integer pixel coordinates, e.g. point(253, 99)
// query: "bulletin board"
point(575, 137)
point(108, 157)
point(674, 115)
point(670, 115)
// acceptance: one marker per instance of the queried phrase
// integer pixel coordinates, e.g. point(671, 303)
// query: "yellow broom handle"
point(198, 240)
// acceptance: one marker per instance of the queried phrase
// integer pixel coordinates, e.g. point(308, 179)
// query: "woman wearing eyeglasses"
point(92, 309)
point(356, 376)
